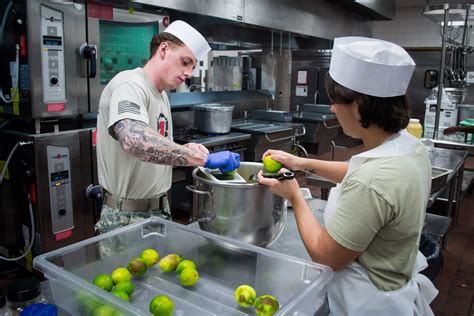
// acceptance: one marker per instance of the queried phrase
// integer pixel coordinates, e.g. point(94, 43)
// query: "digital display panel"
point(60, 175)
point(52, 41)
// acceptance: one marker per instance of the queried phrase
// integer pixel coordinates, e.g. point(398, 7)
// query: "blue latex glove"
point(224, 160)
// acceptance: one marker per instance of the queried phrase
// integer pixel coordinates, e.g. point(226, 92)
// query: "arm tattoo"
point(310, 170)
point(141, 141)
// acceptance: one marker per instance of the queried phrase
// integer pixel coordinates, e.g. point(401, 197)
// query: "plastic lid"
point(3, 299)
point(40, 310)
point(22, 290)
point(214, 107)
point(414, 121)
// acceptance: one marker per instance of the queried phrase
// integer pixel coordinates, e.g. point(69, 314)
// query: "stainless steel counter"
point(290, 242)
point(452, 160)
point(453, 145)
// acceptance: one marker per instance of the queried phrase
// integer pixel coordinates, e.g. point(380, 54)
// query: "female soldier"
point(375, 214)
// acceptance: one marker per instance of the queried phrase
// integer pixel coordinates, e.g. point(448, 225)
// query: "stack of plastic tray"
point(223, 264)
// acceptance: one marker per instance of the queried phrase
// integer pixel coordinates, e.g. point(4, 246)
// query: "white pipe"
point(32, 241)
point(4, 20)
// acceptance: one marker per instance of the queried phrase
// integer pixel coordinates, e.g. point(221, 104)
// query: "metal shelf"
point(456, 13)
point(449, 17)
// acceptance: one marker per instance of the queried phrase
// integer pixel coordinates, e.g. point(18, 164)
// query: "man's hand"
point(226, 161)
point(197, 147)
point(451, 130)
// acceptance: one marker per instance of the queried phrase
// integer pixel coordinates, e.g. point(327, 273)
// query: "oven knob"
point(62, 212)
point(54, 80)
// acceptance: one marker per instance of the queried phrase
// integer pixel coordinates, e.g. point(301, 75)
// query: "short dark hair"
point(391, 113)
point(163, 37)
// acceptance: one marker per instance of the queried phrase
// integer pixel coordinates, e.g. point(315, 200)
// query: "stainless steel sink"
point(439, 177)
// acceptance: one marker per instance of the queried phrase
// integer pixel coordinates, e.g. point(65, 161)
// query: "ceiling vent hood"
point(377, 10)
point(325, 19)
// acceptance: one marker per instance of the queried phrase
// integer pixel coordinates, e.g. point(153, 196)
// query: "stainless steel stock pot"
point(248, 212)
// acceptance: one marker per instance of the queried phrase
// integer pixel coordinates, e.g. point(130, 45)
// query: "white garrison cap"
point(190, 37)
point(371, 66)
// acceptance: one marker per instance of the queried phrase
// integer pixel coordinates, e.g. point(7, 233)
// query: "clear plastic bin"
point(223, 264)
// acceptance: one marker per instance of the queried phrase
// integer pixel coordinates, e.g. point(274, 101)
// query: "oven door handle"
point(303, 131)
point(89, 52)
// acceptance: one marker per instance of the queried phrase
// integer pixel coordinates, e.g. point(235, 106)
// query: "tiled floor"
point(456, 281)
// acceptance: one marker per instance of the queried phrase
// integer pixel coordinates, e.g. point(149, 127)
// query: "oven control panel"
point(60, 194)
point(52, 55)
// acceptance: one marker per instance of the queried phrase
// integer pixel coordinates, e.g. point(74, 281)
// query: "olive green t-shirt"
point(381, 212)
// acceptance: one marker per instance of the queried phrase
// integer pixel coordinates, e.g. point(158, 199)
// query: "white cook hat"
point(371, 66)
point(190, 37)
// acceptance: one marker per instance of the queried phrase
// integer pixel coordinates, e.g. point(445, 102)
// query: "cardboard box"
point(447, 118)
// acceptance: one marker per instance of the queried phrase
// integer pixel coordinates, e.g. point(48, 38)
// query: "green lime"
point(169, 262)
point(150, 256)
point(104, 281)
point(121, 294)
point(185, 264)
point(121, 274)
point(271, 165)
point(229, 173)
point(188, 277)
point(245, 295)
point(126, 286)
point(161, 305)
point(86, 303)
point(266, 305)
point(137, 267)
point(103, 310)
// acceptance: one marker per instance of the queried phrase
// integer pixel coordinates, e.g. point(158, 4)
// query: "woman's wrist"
point(296, 198)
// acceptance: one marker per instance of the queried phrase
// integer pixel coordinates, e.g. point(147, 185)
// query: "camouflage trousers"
point(113, 218)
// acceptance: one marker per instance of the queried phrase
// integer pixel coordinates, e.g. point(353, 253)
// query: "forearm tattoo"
point(310, 170)
point(138, 139)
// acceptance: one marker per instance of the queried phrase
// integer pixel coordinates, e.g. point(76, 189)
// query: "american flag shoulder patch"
point(126, 106)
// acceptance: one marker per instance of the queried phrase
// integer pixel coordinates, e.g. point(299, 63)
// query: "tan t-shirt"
point(130, 95)
point(381, 213)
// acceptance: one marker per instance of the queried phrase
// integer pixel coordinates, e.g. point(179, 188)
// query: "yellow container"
point(415, 128)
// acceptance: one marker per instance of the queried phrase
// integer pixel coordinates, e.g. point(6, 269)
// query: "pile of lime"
point(139, 266)
point(265, 305)
point(186, 269)
point(119, 282)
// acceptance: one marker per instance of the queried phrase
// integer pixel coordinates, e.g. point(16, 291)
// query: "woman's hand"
point(287, 160)
point(288, 189)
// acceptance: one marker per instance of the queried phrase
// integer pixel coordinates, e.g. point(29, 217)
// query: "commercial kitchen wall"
point(409, 29)
point(422, 38)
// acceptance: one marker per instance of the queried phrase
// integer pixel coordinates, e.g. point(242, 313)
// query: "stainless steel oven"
point(54, 169)
point(68, 51)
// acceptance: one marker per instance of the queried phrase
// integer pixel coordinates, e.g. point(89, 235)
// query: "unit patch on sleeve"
point(162, 125)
